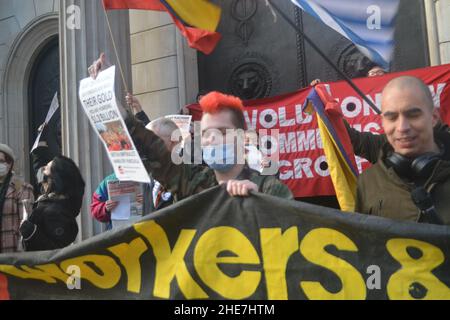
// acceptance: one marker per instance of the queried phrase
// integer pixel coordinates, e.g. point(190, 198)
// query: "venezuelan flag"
point(195, 13)
point(197, 20)
point(337, 146)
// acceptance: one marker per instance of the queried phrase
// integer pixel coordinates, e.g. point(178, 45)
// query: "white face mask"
point(4, 169)
point(254, 158)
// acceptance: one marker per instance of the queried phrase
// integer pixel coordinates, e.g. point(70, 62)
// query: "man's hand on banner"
point(98, 65)
point(315, 82)
point(111, 205)
point(241, 187)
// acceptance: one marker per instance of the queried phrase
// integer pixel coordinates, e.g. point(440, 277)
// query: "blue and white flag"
point(369, 24)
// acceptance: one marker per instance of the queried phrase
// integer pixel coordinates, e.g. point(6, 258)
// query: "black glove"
point(45, 133)
point(27, 229)
point(130, 121)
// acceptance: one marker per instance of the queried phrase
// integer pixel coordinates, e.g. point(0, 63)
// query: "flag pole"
point(117, 54)
point(317, 49)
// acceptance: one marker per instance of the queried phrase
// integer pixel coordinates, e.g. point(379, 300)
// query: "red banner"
point(134, 4)
point(302, 162)
point(4, 294)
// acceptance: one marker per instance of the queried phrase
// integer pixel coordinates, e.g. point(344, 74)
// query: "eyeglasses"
point(374, 73)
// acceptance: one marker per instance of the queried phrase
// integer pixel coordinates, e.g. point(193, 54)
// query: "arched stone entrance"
point(21, 59)
point(44, 82)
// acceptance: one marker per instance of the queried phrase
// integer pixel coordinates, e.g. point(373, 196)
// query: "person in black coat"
point(52, 223)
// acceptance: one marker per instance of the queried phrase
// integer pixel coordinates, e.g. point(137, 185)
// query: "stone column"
point(443, 14)
point(164, 68)
point(79, 47)
point(432, 30)
point(438, 25)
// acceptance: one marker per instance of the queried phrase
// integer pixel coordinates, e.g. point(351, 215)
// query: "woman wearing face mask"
point(13, 193)
point(52, 223)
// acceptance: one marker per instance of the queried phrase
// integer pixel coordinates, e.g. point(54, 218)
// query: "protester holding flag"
point(369, 145)
point(15, 195)
point(41, 156)
point(139, 113)
point(52, 223)
point(411, 180)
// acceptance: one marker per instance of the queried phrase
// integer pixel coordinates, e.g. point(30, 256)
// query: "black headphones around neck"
point(418, 168)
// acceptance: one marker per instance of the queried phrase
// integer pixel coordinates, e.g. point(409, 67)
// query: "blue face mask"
point(220, 157)
point(3, 170)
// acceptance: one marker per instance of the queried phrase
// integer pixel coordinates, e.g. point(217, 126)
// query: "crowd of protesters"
point(412, 159)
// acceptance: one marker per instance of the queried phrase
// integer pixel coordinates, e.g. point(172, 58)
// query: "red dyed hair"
point(215, 102)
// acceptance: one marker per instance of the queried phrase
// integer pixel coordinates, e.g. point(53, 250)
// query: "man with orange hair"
point(222, 118)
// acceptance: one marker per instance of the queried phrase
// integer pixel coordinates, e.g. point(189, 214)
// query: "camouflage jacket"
point(184, 180)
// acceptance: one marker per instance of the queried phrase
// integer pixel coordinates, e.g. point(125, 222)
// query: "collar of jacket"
point(14, 185)
point(247, 173)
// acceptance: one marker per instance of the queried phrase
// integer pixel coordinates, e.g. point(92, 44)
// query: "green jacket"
point(383, 193)
point(184, 180)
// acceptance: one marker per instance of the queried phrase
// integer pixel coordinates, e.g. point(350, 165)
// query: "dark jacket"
point(382, 192)
point(366, 144)
point(185, 180)
point(51, 225)
point(142, 116)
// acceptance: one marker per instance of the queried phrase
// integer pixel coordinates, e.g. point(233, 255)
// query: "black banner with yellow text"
point(213, 246)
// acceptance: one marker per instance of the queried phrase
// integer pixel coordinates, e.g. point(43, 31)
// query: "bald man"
point(411, 180)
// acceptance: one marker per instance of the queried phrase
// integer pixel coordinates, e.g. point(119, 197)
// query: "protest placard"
point(99, 103)
point(128, 208)
point(183, 122)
